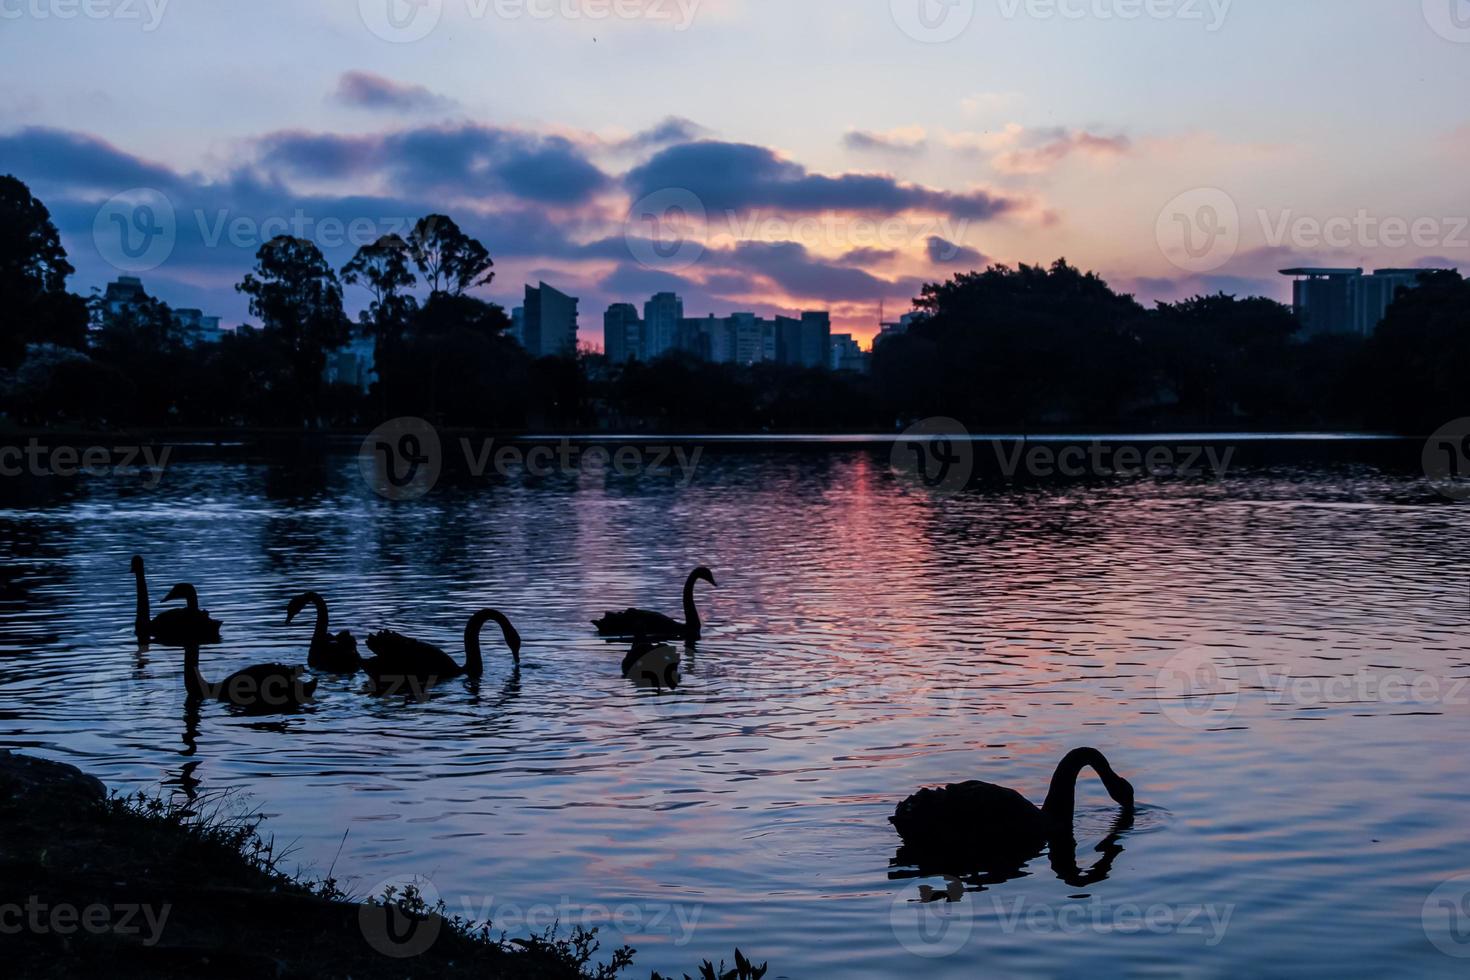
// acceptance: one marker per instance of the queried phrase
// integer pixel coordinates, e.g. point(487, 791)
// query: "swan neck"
point(691, 612)
point(474, 663)
point(322, 627)
point(1061, 798)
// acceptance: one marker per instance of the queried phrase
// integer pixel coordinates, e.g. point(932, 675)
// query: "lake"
point(1275, 653)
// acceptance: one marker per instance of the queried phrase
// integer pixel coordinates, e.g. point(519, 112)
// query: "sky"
point(770, 156)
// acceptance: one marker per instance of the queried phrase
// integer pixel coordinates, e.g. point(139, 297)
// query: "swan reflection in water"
point(653, 667)
point(980, 869)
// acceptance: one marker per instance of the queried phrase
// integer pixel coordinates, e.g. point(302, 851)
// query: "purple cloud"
point(742, 177)
point(465, 159)
point(364, 90)
point(944, 252)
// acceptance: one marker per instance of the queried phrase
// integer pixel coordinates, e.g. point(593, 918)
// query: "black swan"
point(400, 660)
point(656, 626)
point(175, 627)
point(262, 689)
point(978, 817)
point(329, 654)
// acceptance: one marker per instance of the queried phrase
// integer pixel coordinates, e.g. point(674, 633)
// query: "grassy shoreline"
point(99, 884)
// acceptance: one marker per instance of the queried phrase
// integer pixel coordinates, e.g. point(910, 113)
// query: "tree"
point(141, 329)
point(1225, 357)
point(1016, 346)
point(35, 307)
point(449, 260)
point(298, 299)
point(382, 268)
point(1420, 356)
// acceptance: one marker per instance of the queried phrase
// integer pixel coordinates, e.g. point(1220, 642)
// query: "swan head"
point(1121, 790)
point(136, 565)
point(293, 609)
point(704, 575)
point(183, 592)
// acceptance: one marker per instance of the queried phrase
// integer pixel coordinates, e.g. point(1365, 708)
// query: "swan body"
point(262, 689)
point(173, 627)
point(330, 654)
point(982, 817)
point(644, 624)
point(400, 660)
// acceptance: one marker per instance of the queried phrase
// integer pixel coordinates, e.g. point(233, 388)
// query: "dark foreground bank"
point(92, 884)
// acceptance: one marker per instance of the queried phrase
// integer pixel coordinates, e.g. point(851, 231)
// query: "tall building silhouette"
point(548, 323)
point(622, 333)
point(661, 316)
point(1344, 301)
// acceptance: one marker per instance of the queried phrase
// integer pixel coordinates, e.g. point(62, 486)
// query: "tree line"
point(1029, 348)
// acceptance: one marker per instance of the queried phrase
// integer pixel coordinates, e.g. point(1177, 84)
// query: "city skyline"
point(939, 154)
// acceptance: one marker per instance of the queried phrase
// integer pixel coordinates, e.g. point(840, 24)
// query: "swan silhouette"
point(978, 818)
point(641, 623)
point(262, 689)
point(329, 654)
point(401, 660)
point(173, 627)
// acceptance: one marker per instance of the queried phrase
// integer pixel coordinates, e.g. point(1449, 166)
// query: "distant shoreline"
point(252, 436)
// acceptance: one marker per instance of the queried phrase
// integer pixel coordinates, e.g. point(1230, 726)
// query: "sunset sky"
point(842, 152)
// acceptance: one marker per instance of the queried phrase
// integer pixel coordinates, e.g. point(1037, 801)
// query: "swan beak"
point(1125, 793)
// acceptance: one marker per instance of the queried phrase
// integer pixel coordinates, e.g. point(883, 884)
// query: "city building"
point(1345, 301)
point(740, 338)
point(353, 365)
point(887, 331)
point(847, 354)
point(803, 342)
point(196, 328)
point(123, 295)
point(548, 322)
point(661, 316)
point(622, 333)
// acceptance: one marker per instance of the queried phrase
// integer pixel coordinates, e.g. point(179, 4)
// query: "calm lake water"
point(1279, 660)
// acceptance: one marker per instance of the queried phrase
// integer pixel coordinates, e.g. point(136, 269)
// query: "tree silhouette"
point(35, 307)
point(382, 268)
point(449, 260)
point(298, 299)
point(1420, 356)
